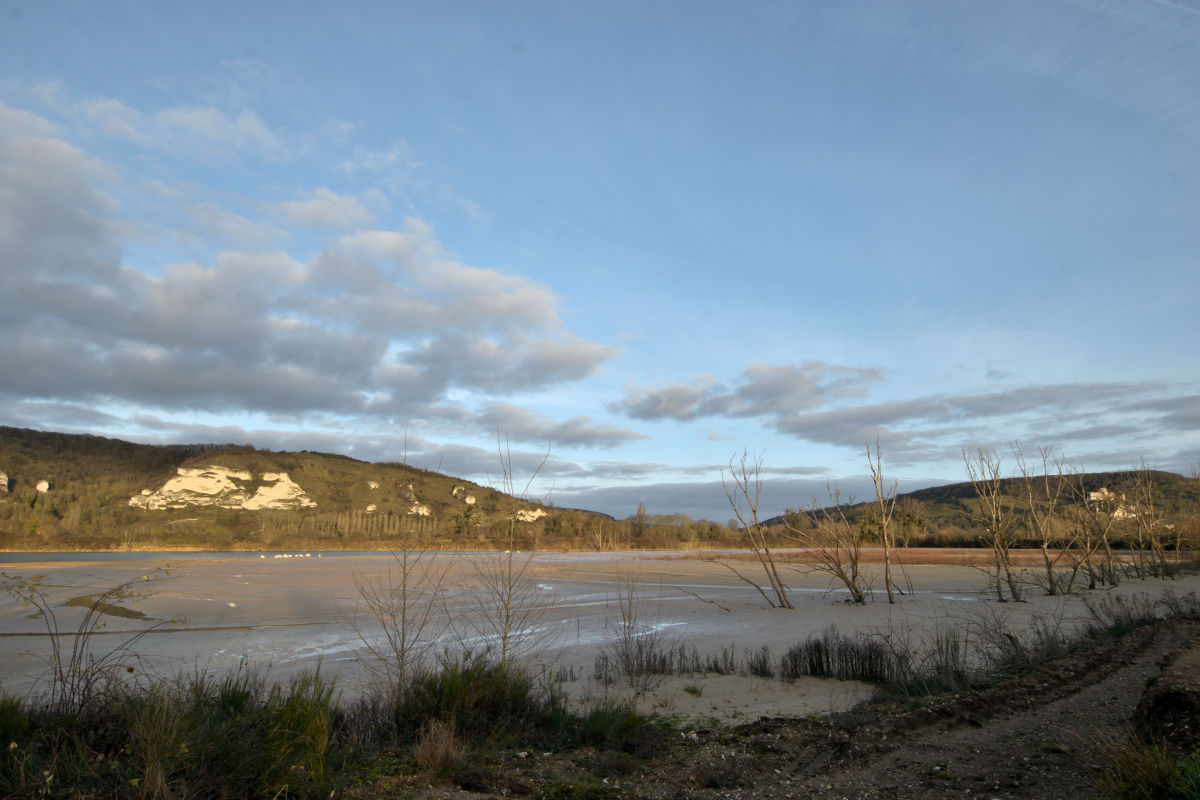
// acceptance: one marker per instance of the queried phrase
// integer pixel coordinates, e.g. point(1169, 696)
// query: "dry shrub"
point(835, 655)
point(440, 750)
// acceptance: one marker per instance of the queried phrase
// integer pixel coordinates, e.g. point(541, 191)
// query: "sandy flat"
point(290, 614)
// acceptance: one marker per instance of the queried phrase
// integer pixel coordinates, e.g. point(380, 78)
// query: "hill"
point(88, 483)
point(329, 501)
point(951, 510)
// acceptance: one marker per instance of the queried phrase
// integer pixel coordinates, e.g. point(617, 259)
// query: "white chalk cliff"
point(215, 486)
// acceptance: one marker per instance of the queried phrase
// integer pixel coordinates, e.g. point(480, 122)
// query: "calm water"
point(175, 555)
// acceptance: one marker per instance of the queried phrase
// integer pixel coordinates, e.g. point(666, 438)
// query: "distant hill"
point(951, 505)
point(92, 480)
point(351, 504)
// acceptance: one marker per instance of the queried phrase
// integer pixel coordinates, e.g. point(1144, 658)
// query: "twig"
point(704, 600)
point(743, 577)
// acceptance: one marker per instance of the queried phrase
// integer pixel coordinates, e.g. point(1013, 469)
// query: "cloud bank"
point(814, 402)
point(381, 325)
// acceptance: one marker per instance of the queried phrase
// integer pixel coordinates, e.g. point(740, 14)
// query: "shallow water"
point(290, 614)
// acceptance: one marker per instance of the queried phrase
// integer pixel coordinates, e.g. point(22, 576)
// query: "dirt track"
point(1026, 738)
point(1031, 737)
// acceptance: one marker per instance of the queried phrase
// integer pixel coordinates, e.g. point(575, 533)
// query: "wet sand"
point(289, 614)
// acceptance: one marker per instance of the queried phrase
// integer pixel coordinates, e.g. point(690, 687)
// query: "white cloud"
point(325, 209)
point(378, 325)
point(213, 224)
point(403, 174)
point(194, 130)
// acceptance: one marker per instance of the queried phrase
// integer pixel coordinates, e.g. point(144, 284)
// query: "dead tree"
point(996, 516)
point(399, 617)
point(1145, 512)
point(1094, 513)
point(512, 611)
point(744, 497)
point(1043, 493)
point(832, 542)
point(880, 516)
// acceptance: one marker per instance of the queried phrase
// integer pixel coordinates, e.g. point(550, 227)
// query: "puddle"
point(90, 600)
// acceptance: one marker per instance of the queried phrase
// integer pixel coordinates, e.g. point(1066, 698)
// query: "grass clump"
point(835, 655)
point(236, 735)
point(1140, 770)
point(478, 696)
point(576, 790)
point(192, 735)
point(440, 750)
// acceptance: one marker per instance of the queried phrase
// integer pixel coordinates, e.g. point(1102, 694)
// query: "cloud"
point(525, 425)
point(401, 172)
point(325, 209)
point(810, 402)
point(379, 325)
point(763, 390)
point(206, 131)
point(917, 426)
point(1179, 413)
point(209, 223)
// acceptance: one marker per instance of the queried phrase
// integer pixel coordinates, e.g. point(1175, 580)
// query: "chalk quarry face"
point(218, 486)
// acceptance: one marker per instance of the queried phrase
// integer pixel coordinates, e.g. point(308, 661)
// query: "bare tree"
point(744, 497)
point(400, 617)
point(597, 534)
point(1043, 493)
point(833, 543)
point(879, 518)
point(1145, 513)
point(995, 514)
point(513, 611)
point(1093, 514)
point(1192, 525)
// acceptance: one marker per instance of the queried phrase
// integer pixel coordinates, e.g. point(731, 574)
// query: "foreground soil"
point(1035, 737)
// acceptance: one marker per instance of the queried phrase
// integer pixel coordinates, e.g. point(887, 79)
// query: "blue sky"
point(649, 234)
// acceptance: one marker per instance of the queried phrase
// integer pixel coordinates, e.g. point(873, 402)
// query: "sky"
point(629, 240)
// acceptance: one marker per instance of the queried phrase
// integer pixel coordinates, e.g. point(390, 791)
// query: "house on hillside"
point(1121, 511)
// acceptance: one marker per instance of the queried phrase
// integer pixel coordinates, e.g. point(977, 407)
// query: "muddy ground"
point(1032, 737)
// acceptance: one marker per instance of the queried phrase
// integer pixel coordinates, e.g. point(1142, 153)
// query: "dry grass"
point(1132, 768)
point(440, 749)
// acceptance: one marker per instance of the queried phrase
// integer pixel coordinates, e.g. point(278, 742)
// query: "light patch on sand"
point(729, 699)
point(215, 486)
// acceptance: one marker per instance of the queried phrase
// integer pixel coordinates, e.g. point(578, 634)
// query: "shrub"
point(480, 697)
point(440, 749)
point(835, 655)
